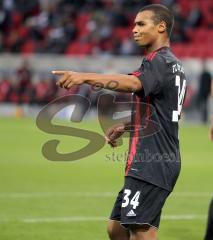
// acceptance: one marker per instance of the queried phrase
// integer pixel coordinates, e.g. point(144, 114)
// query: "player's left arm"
point(125, 83)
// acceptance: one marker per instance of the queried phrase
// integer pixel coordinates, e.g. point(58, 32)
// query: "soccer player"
point(204, 93)
point(153, 163)
point(209, 229)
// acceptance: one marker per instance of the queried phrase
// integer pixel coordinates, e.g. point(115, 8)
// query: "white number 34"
point(181, 94)
point(134, 201)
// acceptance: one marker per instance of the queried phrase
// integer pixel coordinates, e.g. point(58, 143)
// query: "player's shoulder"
point(168, 56)
point(163, 55)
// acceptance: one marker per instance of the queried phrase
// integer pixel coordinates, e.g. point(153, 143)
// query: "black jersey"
point(154, 154)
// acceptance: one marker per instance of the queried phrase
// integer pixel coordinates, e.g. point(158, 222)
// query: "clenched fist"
point(114, 133)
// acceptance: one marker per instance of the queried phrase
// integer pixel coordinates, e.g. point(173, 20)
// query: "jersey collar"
point(150, 56)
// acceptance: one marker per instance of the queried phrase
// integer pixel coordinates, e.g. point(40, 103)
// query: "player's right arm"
point(125, 83)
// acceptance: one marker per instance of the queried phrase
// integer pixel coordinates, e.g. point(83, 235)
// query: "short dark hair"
point(161, 13)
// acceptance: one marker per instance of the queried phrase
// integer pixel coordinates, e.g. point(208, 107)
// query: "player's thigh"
point(144, 232)
point(116, 231)
point(142, 203)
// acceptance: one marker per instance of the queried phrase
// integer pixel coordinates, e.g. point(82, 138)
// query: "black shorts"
point(139, 203)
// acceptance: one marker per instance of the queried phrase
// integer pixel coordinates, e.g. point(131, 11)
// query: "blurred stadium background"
point(40, 199)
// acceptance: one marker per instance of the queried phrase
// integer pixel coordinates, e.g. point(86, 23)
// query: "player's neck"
point(157, 45)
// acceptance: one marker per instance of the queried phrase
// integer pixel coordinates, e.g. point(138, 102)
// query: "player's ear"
point(162, 27)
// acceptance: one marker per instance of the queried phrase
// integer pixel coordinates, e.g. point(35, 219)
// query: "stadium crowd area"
point(100, 27)
point(24, 86)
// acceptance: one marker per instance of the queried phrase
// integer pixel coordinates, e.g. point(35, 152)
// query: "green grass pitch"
point(42, 200)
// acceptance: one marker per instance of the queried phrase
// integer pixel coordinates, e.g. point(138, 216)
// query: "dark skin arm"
point(125, 83)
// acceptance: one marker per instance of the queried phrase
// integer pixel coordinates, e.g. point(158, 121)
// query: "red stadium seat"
point(16, 19)
point(41, 89)
point(23, 32)
point(178, 49)
point(156, 1)
point(28, 47)
point(5, 87)
point(122, 33)
point(18, 28)
point(81, 23)
point(185, 7)
point(83, 19)
point(207, 8)
point(78, 48)
point(14, 98)
point(195, 50)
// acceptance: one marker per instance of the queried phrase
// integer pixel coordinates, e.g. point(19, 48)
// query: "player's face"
point(145, 31)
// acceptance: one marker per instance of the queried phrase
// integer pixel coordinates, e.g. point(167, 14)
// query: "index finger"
point(59, 72)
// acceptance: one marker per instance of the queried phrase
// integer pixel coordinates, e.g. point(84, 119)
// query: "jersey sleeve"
point(151, 74)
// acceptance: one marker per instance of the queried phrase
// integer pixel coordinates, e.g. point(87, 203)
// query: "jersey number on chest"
point(181, 95)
